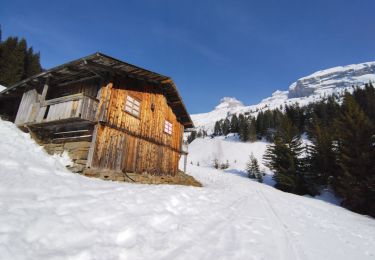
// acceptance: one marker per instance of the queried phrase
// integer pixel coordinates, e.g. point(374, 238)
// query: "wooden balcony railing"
point(75, 107)
point(70, 107)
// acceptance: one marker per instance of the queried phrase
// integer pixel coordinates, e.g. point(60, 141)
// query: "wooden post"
point(44, 93)
point(185, 162)
point(104, 100)
point(90, 155)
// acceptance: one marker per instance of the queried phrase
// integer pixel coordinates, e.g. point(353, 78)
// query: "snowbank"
point(48, 213)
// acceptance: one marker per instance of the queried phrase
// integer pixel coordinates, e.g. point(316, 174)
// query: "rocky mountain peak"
point(229, 102)
point(312, 88)
point(337, 77)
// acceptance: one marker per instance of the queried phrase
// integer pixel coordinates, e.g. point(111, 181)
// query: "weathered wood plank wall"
point(136, 144)
point(87, 88)
point(81, 105)
point(120, 151)
point(26, 111)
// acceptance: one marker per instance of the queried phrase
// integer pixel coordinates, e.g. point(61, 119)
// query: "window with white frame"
point(168, 127)
point(132, 106)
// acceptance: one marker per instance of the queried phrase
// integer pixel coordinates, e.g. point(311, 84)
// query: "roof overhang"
point(101, 66)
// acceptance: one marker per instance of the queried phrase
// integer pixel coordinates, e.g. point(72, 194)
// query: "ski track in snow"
point(48, 213)
point(288, 248)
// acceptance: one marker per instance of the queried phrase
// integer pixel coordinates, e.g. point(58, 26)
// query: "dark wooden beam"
point(78, 80)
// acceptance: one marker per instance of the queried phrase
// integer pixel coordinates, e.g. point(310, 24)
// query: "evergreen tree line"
point(263, 125)
point(245, 126)
point(194, 134)
point(17, 61)
point(341, 154)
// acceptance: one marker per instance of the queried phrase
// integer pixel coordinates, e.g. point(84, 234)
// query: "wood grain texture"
point(136, 144)
point(120, 141)
point(119, 151)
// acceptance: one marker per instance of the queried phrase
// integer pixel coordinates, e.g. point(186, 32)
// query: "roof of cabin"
point(99, 65)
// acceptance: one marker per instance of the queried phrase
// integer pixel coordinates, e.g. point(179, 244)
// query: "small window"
point(132, 106)
point(168, 127)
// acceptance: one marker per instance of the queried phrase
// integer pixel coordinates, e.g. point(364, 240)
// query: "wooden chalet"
point(108, 114)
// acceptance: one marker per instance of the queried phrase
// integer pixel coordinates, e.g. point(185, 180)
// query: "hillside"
point(204, 151)
point(305, 90)
point(49, 213)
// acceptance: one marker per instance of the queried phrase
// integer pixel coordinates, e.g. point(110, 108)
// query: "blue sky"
point(212, 49)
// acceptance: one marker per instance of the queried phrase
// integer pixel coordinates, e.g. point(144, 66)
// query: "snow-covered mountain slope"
point(48, 213)
point(227, 106)
point(308, 89)
point(338, 77)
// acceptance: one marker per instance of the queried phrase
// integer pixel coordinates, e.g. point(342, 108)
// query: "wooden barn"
point(110, 116)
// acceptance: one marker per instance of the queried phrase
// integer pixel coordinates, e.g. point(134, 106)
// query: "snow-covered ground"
point(203, 152)
point(48, 213)
point(231, 150)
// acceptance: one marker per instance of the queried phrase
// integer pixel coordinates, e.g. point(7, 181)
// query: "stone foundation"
point(179, 179)
point(77, 151)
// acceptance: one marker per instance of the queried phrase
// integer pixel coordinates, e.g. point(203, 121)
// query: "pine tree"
point(296, 116)
point(11, 62)
point(234, 124)
point(365, 99)
point(252, 169)
point(284, 158)
point(260, 125)
point(252, 134)
point(270, 123)
point(356, 156)
point(16, 61)
point(199, 134)
point(321, 164)
point(217, 128)
point(243, 128)
point(226, 126)
point(32, 63)
point(192, 136)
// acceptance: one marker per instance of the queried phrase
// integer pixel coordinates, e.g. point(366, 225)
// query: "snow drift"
point(48, 213)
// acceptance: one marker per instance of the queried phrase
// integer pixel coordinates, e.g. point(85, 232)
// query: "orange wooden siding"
point(136, 144)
